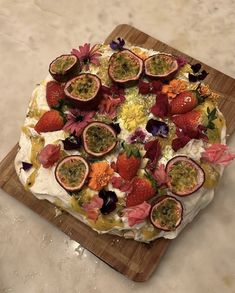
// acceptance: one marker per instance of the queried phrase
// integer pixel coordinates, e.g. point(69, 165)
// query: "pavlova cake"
point(129, 141)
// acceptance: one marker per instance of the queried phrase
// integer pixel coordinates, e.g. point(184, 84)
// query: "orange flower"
point(101, 173)
point(175, 87)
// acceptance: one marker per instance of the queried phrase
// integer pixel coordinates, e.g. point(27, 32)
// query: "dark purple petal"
point(26, 166)
point(202, 75)
point(72, 142)
point(192, 78)
point(196, 67)
point(157, 128)
point(109, 201)
point(117, 45)
point(116, 127)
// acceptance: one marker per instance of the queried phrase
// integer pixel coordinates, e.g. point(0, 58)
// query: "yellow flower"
point(132, 115)
point(100, 175)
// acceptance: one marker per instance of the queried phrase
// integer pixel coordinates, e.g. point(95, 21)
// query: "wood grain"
point(135, 260)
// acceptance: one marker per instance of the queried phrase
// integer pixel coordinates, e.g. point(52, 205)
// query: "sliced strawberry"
point(184, 102)
point(142, 190)
point(188, 121)
point(50, 121)
point(128, 162)
point(54, 93)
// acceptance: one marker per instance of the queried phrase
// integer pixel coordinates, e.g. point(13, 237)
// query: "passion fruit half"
point(83, 90)
point(125, 66)
point(185, 176)
point(71, 172)
point(167, 213)
point(161, 66)
point(99, 138)
point(64, 67)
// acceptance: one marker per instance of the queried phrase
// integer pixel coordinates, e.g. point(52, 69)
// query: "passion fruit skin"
point(70, 73)
point(89, 104)
point(159, 200)
point(77, 157)
point(165, 77)
point(130, 81)
point(84, 139)
point(185, 158)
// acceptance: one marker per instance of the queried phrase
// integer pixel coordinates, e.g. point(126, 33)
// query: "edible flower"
point(153, 153)
point(87, 54)
point(218, 154)
point(157, 128)
point(161, 106)
point(26, 166)
point(49, 155)
point(149, 87)
point(121, 184)
point(117, 45)
point(137, 214)
point(93, 207)
point(138, 136)
point(77, 120)
point(132, 115)
point(160, 175)
point(197, 75)
point(100, 175)
point(181, 60)
point(175, 87)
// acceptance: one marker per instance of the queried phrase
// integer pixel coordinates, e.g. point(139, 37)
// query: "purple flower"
point(137, 137)
point(26, 166)
point(157, 128)
point(181, 60)
point(117, 45)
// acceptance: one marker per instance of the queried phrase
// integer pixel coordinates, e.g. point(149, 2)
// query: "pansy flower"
point(138, 136)
point(157, 128)
point(117, 45)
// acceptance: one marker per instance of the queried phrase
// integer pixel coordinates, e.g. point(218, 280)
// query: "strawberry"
point(50, 121)
point(188, 121)
point(142, 190)
point(128, 162)
point(54, 93)
point(184, 102)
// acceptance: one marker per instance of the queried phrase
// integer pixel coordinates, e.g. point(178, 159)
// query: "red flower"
point(121, 184)
point(153, 152)
point(87, 55)
point(161, 107)
point(160, 175)
point(77, 120)
point(149, 87)
point(49, 155)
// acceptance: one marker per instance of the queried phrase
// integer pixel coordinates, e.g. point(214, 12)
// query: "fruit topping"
point(142, 190)
point(211, 175)
point(109, 201)
point(161, 66)
point(64, 67)
point(125, 66)
point(99, 138)
point(50, 121)
point(184, 102)
point(83, 89)
point(71, 172)
point(189, 121)
point(54, 93)
point(185, 175)
point(128, 162)
point(167, 213)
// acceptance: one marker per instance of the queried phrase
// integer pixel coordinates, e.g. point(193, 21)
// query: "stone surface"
point(36, 257)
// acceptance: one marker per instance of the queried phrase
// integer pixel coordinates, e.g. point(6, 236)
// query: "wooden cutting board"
point(135, 260)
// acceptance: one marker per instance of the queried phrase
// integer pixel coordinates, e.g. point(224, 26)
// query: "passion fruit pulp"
point(185, 175)
point(125, 66)
point(71, 172)
point(161, 66)
point(64, 67)
point(167, 213)
point(83, 90)
point(99, 138)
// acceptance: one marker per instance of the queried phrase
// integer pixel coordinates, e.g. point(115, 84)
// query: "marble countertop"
point(35, 257)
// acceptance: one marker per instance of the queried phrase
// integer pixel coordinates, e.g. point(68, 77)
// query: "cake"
point(128, 140)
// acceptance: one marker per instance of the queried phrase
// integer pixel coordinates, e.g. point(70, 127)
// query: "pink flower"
point(92, 208)
point(77, 120)
point(137, 137)
point(87, 55)
point(121, 184)
point(137, 214)
point(49, 155)
point(160, 175)
point(218, 154)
